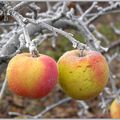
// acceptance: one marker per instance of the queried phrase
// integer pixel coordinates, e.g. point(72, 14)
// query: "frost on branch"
point(30, 29)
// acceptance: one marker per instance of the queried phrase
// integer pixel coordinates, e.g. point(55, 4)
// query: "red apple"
point(83, 74)
point(32, 77)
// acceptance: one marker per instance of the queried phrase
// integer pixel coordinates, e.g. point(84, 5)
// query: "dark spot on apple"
point(88, 66)
point(80, 89)
point(70, 72)
point(78, 66)
point(86, 79)
point(84, 70)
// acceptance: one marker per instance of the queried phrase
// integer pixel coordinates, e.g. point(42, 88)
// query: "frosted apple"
point(83, 74)
point(32, 77)
point(115, 109)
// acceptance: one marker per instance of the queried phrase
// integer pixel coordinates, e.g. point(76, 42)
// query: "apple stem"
point(35, 54)
point(82, 54)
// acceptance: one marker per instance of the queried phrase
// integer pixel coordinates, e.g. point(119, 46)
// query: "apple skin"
point(83, 77)
point(115, 109)
point(32, 77)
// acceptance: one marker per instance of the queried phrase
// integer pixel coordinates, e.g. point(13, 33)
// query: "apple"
point(32, 77)
point(83, 74)
point(115, 109)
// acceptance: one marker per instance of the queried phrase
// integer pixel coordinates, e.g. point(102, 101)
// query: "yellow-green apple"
point(32, 77)
point(115, 109)
point(83, 74)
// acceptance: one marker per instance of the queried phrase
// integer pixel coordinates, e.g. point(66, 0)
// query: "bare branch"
point(21, 4)
point(88, 10)
point(51, 107)
point(112, 46)
point(104, 10)
point(3, 88)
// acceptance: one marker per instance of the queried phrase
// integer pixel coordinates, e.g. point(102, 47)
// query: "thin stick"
point(51, 107)
point(3, 88)
point(88, 10)
point(21, 4)
point(48, 6)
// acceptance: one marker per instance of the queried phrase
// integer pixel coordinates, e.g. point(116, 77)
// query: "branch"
point(3, 88)
point(51, 107)
point(21, 4)
point(48, 6)
point(76, 44)
point(103, 11)
point(112, 46)
point(88, 10)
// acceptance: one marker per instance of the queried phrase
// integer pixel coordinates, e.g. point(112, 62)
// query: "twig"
point(18, 114)
point(88, 10)
point(104, 10)
point(75, 43)
point(116, 30)
point(20, 19)
point(8, 24)
point(3, 88)
point(108, 12)
point(91, 41)
point(114, 89)
point(112, 46)
point(51, 107)
point(57, 5)
point(21, 4)
point(48, 6)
